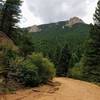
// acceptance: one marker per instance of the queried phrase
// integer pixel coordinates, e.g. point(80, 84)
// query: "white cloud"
point(28, 18)
point(46, 11)
point(90, 11)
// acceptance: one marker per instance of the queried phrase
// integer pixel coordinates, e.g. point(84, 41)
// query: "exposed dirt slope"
point(68, 90)
point(5, 41)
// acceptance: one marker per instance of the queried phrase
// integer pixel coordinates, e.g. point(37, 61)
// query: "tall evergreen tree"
point(64, 61)
point(10, 16)
point(57, 55)
point(91, 59)
point(27, 47)
point(1, 6)
point(1, 3)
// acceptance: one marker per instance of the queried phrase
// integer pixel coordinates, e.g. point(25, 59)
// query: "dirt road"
point(68, 90)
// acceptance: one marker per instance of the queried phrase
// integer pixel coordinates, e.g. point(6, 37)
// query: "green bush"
point(47, 70)
point(8, 69)
point(29, 74)
point(76, 72)
point(45, 67)
point(29, 71)
point(35, 70)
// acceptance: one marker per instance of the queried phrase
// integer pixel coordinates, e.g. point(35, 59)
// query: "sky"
point(36, 12)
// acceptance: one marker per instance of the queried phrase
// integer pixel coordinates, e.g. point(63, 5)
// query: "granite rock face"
point(34, 28)
point(74, 21)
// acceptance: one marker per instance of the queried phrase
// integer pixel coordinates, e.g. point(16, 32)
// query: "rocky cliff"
point(73, 21)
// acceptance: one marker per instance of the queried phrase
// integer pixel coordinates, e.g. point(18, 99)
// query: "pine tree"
point(91, 59)
point(27, 47)
point(64, 61)
point(1, 3)
point(57, 55)
point(10, 16)
point(1, 6)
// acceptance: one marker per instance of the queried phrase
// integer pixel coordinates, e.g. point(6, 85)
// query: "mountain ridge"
point(69, 23)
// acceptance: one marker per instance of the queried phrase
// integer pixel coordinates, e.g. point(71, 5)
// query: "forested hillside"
point(51, 37)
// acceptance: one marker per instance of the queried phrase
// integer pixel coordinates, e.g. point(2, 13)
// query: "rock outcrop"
point(34, 28)
point(74, 21)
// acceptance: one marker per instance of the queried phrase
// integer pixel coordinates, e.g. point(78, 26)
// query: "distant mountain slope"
point(50, 36)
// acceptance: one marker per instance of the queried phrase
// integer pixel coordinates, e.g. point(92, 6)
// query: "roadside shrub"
point(76, 72)
point(29, 71)
point(46, 69)
point(29, 74)
point(7, 69)
point(36, 70)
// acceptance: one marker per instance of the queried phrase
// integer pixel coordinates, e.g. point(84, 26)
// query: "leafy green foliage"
point(32, 71)
point(28, 73)
point(45, 67)
point(36, 69)
point(75, 72)
point(7, 57)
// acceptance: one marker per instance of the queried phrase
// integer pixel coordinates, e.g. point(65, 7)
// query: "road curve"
point(74, 90)
point(69, 89)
